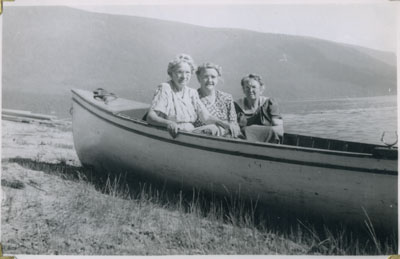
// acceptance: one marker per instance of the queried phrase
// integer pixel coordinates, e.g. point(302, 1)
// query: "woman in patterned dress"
point(176, 106)
point(219, 104)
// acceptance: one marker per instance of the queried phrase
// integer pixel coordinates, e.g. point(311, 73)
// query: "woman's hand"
point(155, 118)
point(233, 128)
point(173, 129)
point(242, 119)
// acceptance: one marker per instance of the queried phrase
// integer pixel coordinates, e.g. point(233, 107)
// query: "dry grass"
point(105, 218)
point(51, 205)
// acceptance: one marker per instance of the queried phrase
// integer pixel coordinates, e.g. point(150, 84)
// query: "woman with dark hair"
point(258, 116)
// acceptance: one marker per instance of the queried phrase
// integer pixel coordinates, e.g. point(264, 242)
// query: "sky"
point(368, 23)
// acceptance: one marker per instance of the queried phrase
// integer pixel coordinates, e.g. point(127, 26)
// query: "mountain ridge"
point(53, 49)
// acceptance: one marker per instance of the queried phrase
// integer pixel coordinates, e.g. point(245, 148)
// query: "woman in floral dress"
point(219, 104)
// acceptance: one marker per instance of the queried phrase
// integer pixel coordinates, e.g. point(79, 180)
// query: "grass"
point(106, 215)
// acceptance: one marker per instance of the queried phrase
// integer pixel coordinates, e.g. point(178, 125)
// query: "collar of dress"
point(242, 102)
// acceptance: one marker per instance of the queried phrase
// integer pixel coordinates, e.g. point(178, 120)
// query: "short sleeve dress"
point(262, 115)
point(183, 107)
point(257, 124)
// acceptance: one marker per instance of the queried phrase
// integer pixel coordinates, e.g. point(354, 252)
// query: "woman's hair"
point(208, 65)
point(252, 77)
point(181, 58)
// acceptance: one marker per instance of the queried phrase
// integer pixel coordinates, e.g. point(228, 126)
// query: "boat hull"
point(331, 184)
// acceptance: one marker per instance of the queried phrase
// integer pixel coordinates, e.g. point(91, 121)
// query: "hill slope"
point(48, 50)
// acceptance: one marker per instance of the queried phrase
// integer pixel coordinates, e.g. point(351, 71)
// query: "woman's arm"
point(155, 119)
point(158, 110)
point(277, 121)
point(273, 109)
point(232, 127)
point(207, 118)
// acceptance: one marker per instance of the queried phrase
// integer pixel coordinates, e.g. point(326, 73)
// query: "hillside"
point(48, 50)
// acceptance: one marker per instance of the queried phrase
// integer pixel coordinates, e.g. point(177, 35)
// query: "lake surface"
point(354, 119)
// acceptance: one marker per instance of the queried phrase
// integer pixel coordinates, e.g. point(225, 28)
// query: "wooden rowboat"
point(342, 179)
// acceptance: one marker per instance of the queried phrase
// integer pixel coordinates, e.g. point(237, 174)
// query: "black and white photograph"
point(199, 128)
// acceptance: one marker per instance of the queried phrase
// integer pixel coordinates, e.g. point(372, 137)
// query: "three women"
point(207, 110)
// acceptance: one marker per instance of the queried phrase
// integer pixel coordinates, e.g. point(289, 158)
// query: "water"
point(353, 119)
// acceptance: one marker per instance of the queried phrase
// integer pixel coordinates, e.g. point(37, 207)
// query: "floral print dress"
point(222, 108)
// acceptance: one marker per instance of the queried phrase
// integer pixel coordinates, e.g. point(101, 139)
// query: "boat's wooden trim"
point(238, 153)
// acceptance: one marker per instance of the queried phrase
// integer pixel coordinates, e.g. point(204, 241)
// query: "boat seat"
point(385, 152)
point(328, 144)
point(140, 114)
point(145, 116)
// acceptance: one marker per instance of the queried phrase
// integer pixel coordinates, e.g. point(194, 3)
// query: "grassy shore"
point(51, 205)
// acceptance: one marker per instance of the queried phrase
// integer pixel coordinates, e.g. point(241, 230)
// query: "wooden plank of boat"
point(333, 183)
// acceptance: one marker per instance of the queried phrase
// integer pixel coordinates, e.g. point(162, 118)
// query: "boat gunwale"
point(230, 140)
point(256, 156)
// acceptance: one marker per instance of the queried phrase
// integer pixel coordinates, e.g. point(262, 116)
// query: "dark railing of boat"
point(311, 142)
point(340, 145)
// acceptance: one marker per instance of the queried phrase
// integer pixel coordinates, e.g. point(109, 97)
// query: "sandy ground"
point(31, 198)
point(44, 212)
point(40, 142)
